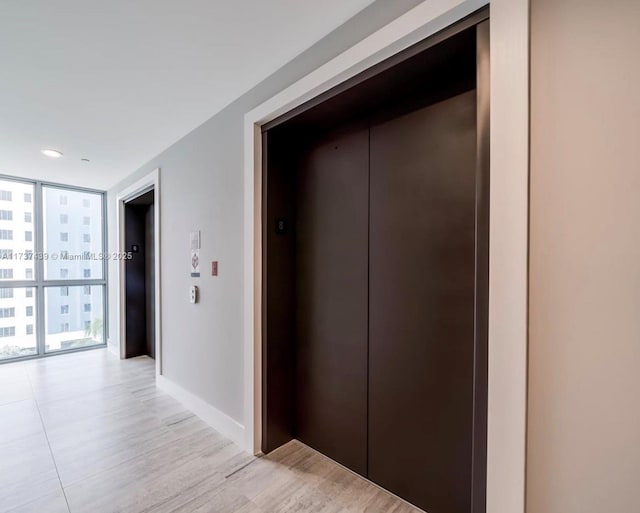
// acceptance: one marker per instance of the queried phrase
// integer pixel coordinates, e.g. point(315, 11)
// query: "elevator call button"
point(281, 226)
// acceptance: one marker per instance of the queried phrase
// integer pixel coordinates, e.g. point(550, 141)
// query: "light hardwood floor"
point(89, 433)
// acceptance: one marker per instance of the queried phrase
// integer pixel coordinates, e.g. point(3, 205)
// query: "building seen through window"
point(52, 283)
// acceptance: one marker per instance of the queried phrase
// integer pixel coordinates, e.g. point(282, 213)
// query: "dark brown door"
point(135, 282)
point(332, 295)
point(140, 276)
point(421, 341)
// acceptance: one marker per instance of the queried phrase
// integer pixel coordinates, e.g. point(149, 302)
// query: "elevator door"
point(140, 277)
point(421, 317)
point(332, 295)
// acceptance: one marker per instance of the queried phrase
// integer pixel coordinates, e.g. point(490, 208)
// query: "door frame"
point(508, 226)
point(143, 185)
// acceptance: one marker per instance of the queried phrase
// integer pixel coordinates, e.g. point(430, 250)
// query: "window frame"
point(39, 284)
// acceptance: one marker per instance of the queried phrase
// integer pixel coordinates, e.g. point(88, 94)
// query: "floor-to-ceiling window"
point(52, 268)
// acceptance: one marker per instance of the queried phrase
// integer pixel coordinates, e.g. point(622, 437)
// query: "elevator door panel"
point(332, 293)
point(422, 304)
point(135, 282)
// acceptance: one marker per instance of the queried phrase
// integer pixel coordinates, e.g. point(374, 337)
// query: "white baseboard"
point(113, 347)
point(219, 421)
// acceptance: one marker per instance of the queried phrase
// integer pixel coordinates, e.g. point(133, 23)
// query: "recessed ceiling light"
point(54, 154)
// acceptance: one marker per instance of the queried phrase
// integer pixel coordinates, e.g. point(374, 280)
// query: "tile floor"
point(89, 433)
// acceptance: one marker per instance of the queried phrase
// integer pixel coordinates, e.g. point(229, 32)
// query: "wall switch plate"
point(214, 268)
point(194, 239)
point(193, 294)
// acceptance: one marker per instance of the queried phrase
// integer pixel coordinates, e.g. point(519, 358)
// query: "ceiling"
point(118, 81)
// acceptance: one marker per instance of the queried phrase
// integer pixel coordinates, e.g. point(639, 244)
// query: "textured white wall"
point(584, 375)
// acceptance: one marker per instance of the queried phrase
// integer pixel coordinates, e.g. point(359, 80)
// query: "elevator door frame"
point(508, 225)
point(144, 184)
point(479, 24)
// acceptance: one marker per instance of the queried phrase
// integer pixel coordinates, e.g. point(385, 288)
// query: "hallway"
point(87, 432)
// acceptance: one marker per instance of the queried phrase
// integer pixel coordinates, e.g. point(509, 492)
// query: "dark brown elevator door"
point(422, 304)
point(332, 292)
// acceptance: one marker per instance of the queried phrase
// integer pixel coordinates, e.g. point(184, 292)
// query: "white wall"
point(584, 374)
point(202, 188)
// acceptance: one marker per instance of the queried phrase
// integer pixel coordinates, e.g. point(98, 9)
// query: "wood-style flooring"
point(89, 433)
